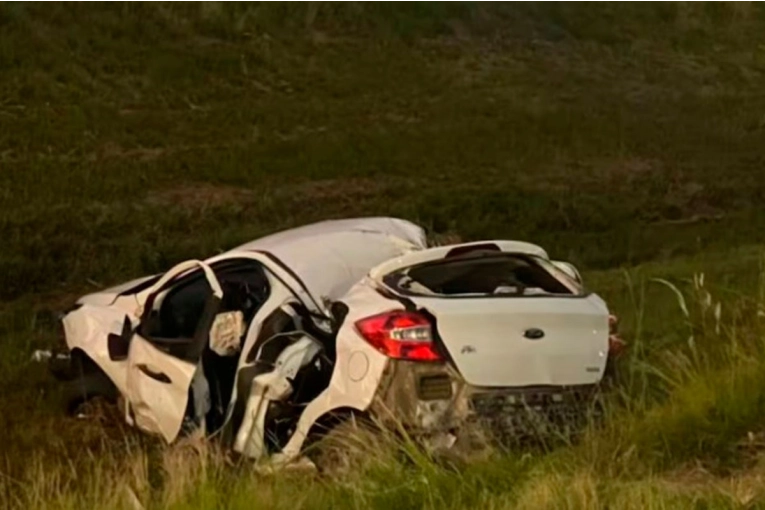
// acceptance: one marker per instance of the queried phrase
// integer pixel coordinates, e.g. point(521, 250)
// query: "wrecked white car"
point(268, 342)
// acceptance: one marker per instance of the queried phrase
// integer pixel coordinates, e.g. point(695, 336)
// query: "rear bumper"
point(433, 398)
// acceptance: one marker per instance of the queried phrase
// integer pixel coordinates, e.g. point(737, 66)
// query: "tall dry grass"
point(683, 429)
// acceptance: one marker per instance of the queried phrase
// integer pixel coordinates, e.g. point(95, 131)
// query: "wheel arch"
point(87, 380)
point(331, 419)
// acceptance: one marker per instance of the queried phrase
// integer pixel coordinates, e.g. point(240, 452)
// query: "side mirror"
point(569, 270)
point(119, 345)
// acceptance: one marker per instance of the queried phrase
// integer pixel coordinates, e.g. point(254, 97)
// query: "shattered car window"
point(495, 274)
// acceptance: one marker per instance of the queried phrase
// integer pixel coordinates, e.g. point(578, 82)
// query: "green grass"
point(627, 138)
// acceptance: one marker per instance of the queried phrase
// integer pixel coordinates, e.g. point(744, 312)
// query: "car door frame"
point(158, 382)
point(169, 402)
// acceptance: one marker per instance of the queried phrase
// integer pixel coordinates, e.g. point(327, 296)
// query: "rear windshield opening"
point(500, 274)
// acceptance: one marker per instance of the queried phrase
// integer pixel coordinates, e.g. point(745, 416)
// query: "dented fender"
point(87, 327)
point(359, 367)
point(429, 397)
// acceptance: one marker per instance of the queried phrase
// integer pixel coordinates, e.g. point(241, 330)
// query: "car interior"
point(283, 327)
point(173, 322)
point(482, 273)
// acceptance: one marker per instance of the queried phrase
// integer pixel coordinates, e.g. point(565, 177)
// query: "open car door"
point(161, 366)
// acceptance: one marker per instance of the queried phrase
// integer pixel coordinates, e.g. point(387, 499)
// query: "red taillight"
point(400, 335)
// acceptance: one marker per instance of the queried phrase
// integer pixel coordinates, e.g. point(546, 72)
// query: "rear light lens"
point(400, 335)
point(615, 344)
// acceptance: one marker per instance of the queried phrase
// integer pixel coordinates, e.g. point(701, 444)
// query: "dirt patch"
point(661, 194)
point(607, 175)
point(338, 189)
point(326, 192)
point(111, 150)
point(628, 171)
point(745, 486)
point(201, 195)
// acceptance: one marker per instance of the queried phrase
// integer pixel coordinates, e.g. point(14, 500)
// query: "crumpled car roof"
point(331, 256)
point(328, 257)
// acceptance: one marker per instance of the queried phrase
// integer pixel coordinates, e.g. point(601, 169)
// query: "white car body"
point(322, 282)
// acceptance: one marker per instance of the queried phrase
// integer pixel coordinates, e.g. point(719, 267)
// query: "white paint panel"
point(159, 401)
point(158, 407)
point(485, 338)
point(87, 328)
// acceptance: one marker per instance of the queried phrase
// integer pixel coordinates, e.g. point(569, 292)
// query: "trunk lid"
point(523, 341)
point(505, 313)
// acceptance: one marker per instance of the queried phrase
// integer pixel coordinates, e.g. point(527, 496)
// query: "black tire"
point(88, 382)
point(337, 445)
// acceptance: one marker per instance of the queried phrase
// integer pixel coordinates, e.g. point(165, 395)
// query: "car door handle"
point(157, 376)
point(534, 334)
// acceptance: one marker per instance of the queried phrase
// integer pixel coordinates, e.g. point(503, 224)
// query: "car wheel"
point(89, 382)
point(343, 444)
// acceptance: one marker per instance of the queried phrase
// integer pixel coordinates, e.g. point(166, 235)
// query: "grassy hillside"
point(627, 138)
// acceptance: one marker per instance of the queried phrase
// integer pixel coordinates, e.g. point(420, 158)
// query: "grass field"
point(627, 138)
